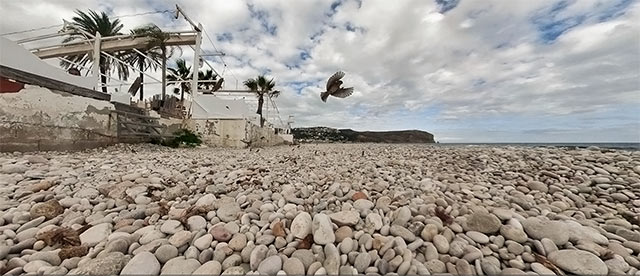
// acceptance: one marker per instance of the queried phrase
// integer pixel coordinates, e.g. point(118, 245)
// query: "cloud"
point(459, 69)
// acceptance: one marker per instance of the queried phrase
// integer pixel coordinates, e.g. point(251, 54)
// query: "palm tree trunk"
point(259, 111)
point(182, 88)
point(141, 67)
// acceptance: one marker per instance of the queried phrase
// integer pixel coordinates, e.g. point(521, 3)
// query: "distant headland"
point(326, 134)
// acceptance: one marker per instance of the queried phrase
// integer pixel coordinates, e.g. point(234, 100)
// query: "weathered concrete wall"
point(234, 133)
point(263, 136)
point(222, 133)
point(171, 124)
point(287, 137)
point(37, 118)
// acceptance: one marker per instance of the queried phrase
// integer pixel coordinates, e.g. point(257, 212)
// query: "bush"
point(183, 138)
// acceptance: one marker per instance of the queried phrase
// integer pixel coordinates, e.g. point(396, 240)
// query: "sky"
point(464, 70)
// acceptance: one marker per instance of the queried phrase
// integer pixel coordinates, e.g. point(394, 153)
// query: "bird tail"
point(324, 96)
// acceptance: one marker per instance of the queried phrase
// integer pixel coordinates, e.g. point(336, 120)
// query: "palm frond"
point(91, 22)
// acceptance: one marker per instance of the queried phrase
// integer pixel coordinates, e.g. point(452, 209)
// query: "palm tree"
point(206, 76)
point(156, 49)
point(93, 23)
point(180, 73)
point(262, 87)
point(151, 50)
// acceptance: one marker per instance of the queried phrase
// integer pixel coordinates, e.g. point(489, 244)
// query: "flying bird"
point(334, 87)
point(217, 85)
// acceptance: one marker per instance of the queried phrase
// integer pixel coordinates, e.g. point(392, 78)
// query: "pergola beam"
point(111, 46)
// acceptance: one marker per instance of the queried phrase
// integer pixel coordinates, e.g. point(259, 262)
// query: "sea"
point(616, 146)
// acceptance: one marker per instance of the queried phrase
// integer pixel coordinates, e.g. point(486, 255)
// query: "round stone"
point(349, 218)
point(220, 233)
point(171, 227)
point(203, 242)
point(270, 266)
point(373, 221)
point(96, 234)
point(578, 262)
point(209, 268)
point(257, 255)
point(293, 266)
point(180, 266)
point(478, 237)
point(49, 209)
point(228, 210)
point(363, 205)
point(180, 238)
point(402, 216)
point(196, 223)
point(513, 233)
point(537, 186)
point(301, 226)
point(343, 233)
point(429, 231)
point(441, 243)
point(402, 232)
point(238, 242)
point(483, 222)
point(362, 262)
point(554, 230)
point(166, 252)
point(144, 263)
point(323, 230)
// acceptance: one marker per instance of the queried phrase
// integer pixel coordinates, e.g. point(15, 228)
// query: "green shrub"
point(183, 138)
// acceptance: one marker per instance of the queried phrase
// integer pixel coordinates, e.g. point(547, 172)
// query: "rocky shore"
point(324, 209)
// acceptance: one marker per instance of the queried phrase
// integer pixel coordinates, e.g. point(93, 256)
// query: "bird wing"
point(218, 85)
point(337, 76)
point(343, 92)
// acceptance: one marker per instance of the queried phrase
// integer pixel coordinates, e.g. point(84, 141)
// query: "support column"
point(96, 58)
point(196, 69)
point(164, 75)
point(196, 63)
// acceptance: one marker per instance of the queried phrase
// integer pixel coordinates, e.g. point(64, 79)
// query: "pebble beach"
point(321, 209)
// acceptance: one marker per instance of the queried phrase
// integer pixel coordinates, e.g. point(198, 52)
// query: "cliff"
point(325, 134)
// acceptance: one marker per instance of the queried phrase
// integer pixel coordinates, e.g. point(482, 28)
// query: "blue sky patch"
point(224, 37)
point(551, 25)
point(304, 55)
point(263, 17)
point(299, 85)
point(447, 5)
point(614, 10)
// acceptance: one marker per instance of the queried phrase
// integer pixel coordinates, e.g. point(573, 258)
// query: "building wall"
point(263, 136)
point(37, 118)
point(235, 133)
point(171, 124)
point(221, 132)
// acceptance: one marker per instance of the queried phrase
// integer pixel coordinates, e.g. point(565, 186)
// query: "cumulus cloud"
point(464, 70)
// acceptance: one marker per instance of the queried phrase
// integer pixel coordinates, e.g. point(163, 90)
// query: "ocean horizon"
point(620, 146)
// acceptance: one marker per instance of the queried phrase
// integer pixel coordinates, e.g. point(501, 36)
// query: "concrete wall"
point(287, 137)
point(263, 136)
point(222, 132)
point(234, 133)
point(37, 118)
point(172, 124)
